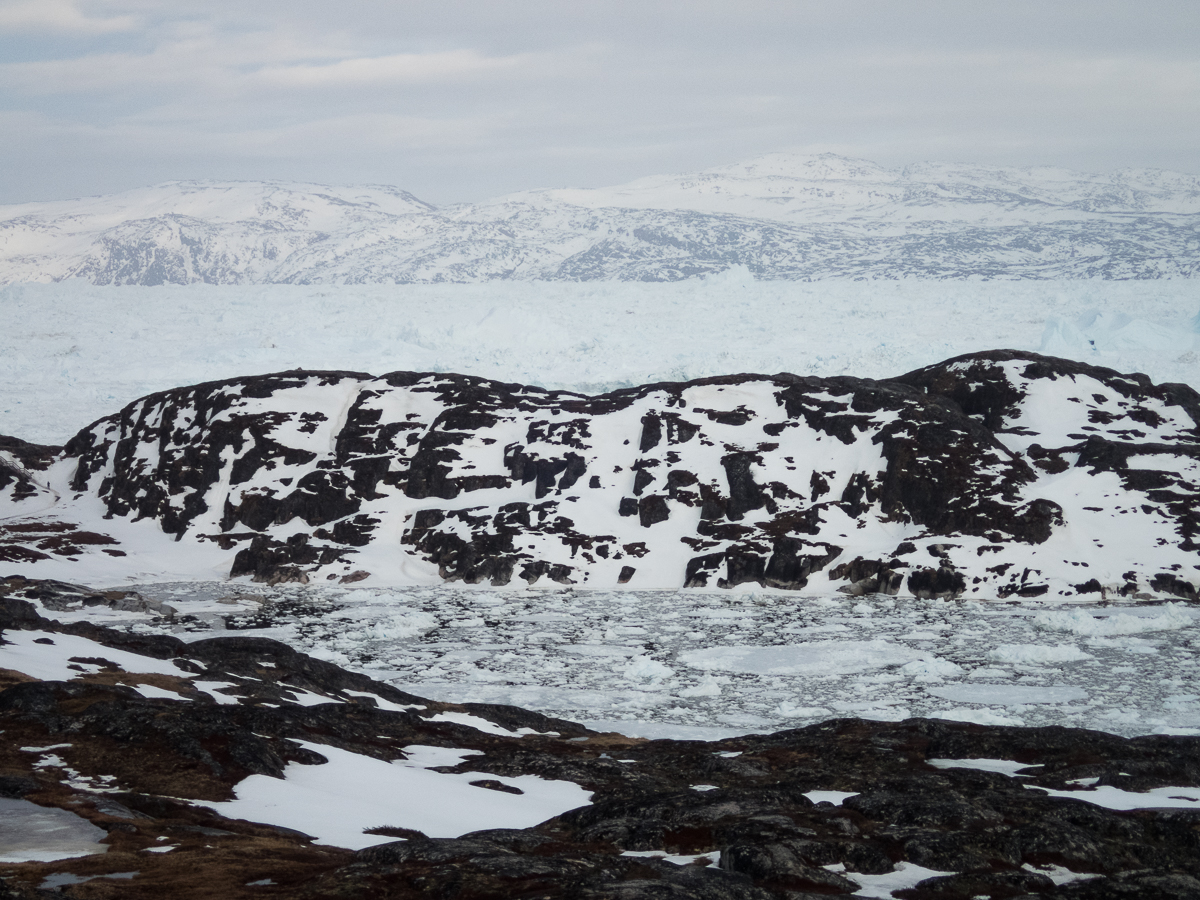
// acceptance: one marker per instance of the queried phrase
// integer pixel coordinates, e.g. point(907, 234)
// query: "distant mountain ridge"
point(783, 216)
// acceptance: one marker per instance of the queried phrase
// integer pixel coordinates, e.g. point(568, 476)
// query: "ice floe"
point(775, 661)
point(32, 833)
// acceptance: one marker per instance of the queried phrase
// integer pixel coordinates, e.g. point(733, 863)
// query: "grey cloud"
point(25, 16)
point(464, 100)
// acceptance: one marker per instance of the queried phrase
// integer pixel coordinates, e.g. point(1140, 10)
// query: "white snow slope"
point(783, 216)
point(1070, 480)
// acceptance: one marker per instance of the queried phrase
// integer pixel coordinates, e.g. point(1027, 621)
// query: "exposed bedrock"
point(992, 474)
point(152, 734)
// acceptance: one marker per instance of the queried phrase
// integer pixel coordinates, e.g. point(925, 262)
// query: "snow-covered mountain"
point(783, 216)
point(990, 475)
point(187, 232)
point(827, 188)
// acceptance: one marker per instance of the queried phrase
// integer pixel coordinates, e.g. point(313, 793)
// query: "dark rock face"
point(739, 806)
point(20, 465)
point(23, 455)
point(58, 596)
point(784, 482)
point(37, 539)
point(871, 576)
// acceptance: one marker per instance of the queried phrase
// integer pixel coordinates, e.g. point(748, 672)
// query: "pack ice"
point(990, 475)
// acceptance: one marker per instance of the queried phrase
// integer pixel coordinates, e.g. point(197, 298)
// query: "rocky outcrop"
point(989, 475)
point(148, 757)
point(20, 462)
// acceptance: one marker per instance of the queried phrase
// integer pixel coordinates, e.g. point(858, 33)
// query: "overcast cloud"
point(461, 100)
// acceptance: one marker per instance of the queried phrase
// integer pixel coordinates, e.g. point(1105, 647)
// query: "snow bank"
point(1114, 798)
point(1003, 766)
point(48, 657)
point(326, 801)
point(904, 875)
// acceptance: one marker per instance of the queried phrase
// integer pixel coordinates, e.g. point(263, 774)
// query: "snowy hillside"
point(185, 232)
point(828, 188)
point(992, 475)
point(782, 216)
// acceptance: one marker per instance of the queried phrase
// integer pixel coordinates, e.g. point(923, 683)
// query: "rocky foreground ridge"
point(145, 741)
point(782, 216)
point(990, 475)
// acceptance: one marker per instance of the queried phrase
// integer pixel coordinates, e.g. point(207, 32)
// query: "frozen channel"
point(709, 664)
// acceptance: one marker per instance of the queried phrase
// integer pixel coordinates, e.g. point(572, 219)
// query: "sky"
point(462, 100)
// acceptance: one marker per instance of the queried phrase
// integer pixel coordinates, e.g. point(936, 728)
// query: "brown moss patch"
point(153, 767)
point(9, 677)
point(174, 683)
point(201, 867)
point(606, 741)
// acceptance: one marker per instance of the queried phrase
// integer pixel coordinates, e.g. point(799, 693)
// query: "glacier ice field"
point(72, 352)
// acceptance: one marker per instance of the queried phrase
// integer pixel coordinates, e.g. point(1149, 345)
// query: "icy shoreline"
point(708, 664)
